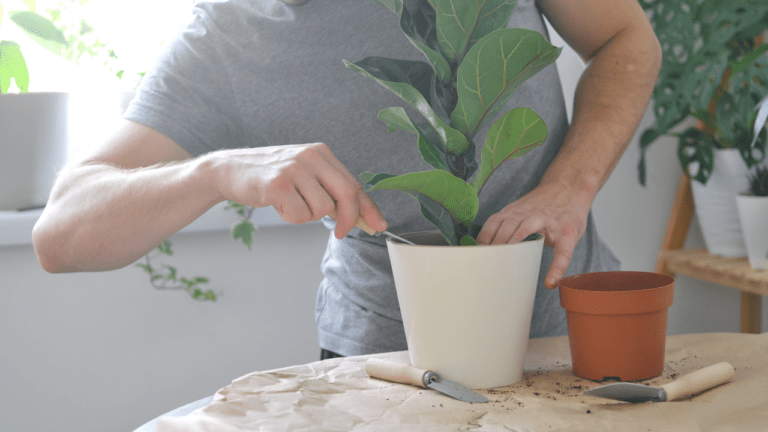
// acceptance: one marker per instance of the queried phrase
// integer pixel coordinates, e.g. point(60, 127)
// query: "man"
point(252, 103)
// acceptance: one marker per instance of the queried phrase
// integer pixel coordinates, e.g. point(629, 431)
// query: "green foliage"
point(758, 184)
point(474, 65)
point(700, 41)
point(13, 66)
point(83, 44)
point(166, 277)
point(244, 232)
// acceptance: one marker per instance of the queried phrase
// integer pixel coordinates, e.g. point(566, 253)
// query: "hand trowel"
point(407, 374)
point(683, 387)
point(364, 226)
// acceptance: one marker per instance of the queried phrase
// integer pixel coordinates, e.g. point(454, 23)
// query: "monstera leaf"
point(516, 133)
point(698, 39)
point(696, 149)
point(461, 24)
point(410, 81)
point(452, 193)
point(491, 72)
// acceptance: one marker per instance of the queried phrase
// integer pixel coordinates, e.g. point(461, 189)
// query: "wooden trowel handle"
point(360, 224)
point(699, 381)
point(395, 372)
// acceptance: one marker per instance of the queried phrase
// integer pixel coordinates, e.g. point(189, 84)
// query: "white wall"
point(106, 352)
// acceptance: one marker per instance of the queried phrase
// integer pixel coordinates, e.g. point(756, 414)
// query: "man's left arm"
point(624, 57)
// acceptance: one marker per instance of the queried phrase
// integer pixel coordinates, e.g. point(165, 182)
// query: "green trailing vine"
point(166, 277)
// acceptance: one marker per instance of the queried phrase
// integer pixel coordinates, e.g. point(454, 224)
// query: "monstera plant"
point(474, 64)
point(714, 69)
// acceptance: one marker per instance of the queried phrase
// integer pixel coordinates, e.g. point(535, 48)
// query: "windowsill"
point(16, 227)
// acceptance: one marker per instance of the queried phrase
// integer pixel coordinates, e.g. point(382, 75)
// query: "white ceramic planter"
point(753, 214)
point(33, 147)
point(467, 309)
point(716, 204)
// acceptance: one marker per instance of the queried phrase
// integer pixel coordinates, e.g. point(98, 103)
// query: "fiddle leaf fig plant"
point(474, 65)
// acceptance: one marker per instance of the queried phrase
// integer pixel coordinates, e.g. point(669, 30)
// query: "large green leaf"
point(439, 217)
point(395, 6)
point(411, 81)
point(461, 23)
point(12, 66)
point(41, 30)
point(397, 119)
point(491, 72)
point(452, 193)
point(417, 19)
point(432, 210)
point(516, 133)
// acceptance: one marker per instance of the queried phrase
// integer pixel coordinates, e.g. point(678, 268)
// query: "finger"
point(365, 205)
point(328, 155)
point(337, 183)
point(371, 213)
point(292, 207)
point(507, 229)
point(488, 231)
point(530, 225)
point(318, 200)
point(563, 252)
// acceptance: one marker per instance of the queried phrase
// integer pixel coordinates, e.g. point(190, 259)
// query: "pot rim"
point(410, 235)
point(617, 302)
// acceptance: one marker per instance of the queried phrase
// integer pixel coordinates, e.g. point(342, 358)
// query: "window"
point(107, 36)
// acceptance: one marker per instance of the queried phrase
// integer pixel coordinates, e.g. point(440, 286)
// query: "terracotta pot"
point(617, 323)
point(467, 309)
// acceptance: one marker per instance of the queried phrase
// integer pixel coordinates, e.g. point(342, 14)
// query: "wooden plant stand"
point(700, 264)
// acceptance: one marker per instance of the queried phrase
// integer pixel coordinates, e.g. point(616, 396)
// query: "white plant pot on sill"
point(753, 214)
point(467, 309)
point(33, 147)
point(715, 204)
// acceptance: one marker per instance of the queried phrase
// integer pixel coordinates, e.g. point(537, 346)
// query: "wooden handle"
point(360, 223)
point(395, 372)
point(699, 381)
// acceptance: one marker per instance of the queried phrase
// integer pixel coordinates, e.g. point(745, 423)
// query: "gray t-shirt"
point(251, 73)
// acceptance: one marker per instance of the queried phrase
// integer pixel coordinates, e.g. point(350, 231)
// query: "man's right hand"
point(303, 182)
point(140, 187)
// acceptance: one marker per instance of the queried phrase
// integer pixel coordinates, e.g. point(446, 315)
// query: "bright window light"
point(134, 30)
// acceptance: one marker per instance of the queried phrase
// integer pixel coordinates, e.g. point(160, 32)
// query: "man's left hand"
point(553, 210)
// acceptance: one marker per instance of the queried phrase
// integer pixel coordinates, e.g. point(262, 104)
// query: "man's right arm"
point(140, 187)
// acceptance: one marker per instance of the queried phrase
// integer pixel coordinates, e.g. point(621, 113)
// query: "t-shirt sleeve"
point(187, 95)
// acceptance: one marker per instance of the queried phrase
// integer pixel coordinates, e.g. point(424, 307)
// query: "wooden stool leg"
point(751, 313)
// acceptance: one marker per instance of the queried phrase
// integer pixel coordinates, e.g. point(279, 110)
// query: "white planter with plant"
point(478, 334)
point(34, 126)
point(33, 137)
point(714, 69)
point(753, 213)
point(716, 200)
